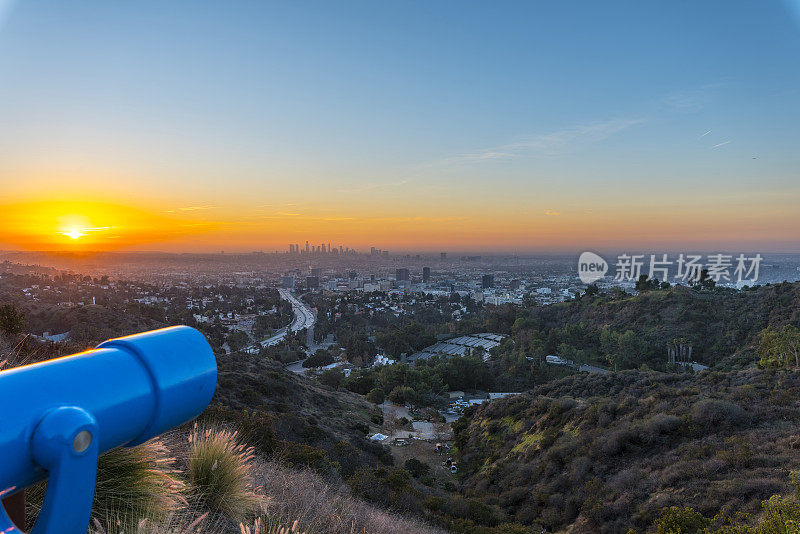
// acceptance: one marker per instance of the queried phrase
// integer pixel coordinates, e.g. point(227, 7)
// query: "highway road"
point(303, 318)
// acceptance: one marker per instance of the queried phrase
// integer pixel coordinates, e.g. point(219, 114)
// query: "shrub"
point(219, 472)
point(416, 468)
point(676, 520)
point(713, 413)
point(661, 424)
point(376, 418)
point(376, 396)
point(332, 378)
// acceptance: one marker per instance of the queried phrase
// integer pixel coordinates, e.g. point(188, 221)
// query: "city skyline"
point(532, 128)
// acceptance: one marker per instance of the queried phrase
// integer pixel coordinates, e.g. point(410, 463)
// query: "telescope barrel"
point(133, 387)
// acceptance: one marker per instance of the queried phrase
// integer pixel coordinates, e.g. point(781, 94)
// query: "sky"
point(517, 127)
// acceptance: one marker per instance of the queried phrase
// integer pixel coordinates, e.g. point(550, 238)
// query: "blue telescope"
point(61, 414)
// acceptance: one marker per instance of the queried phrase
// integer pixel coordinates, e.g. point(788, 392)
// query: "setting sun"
point(74, 234)
point(86, 225)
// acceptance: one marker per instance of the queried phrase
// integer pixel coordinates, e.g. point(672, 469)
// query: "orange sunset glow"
point(488, 144)
point(101, 226)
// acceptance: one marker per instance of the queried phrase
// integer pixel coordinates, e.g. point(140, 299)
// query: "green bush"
point(676, 520)
point(376, 396)
point(416, 468)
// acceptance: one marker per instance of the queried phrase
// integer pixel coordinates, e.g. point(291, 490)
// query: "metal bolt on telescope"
point(64, 413)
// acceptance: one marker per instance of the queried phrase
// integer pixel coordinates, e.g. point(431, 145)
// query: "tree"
point(12, 320)
point(359, 350)
point(704, 281)
point(592, 290)
point(376, 396)
point(645, 283)
point(318, 359)
point(402, 395)
point(332, 378)
point(237, 340)
point(779, 347)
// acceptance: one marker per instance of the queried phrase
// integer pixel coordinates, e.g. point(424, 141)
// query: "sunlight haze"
point(550, 126)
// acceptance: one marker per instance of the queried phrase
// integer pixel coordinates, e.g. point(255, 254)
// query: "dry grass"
point(316, 506)
point(219, 473)
point(139, 492)
point(172, 524)
point(140, 480)
point(11, 354)
point(260, 528)
point(132, 483)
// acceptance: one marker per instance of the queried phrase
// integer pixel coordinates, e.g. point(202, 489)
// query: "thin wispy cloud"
point(552, 213)
point(720, 144)
point(196, 208)
point(705, 134)
point(190, 209)
point(88, 230)
point(549, 144)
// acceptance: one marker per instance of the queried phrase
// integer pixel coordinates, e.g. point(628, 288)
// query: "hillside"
point(620, 331)
point(592, 453)
point(294, 418)
point(717, 323)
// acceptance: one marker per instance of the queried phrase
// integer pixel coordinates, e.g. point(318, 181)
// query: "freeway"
point(303, 318)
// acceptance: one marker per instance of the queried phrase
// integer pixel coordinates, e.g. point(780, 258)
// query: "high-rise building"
point(307, 248)
point(426, 275)
point(401, 274)
point(487, 281)
point(443, 255)
point(312, 283)
point(316, 271)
